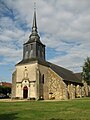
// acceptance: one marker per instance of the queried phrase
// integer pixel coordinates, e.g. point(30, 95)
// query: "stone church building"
point(36, 78)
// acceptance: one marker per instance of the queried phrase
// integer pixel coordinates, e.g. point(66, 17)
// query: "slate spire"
point(34, 26)
point(34, 49)
point(34, 36)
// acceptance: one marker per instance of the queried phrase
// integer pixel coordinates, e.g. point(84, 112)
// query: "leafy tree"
point(86, 70)
point(1, 89)
point(5, 90)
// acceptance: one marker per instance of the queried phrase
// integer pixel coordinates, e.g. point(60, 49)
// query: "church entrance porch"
point(25, 92)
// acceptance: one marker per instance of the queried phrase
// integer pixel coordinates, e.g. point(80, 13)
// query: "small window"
point(31, 53)
point(26, 55)
point(38, 51)
point(38, 47)
point(43, 79)
point(31, 46)
point(26, 48)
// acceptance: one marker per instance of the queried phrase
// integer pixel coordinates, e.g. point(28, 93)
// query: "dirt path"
point(10, 100)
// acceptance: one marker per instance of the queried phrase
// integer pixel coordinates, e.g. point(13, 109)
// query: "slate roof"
point(78, 75)
point(66, 74)
point(27, 61)
point(34, 37)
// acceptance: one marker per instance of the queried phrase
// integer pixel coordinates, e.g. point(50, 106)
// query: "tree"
point(86, 70)
point(1, 89)
point(5, 90)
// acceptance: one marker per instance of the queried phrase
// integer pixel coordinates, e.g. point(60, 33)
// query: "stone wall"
point(42, 82)
point(71, 91)
point(57, 89)
point(26, 71)
point(25, 75)
point(86, 89)
point(13, 85)
point(78, 91)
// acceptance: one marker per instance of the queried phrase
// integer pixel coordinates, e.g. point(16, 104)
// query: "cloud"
point(64, 26)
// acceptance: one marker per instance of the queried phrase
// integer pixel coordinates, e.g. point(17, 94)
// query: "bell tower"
point(33, 48)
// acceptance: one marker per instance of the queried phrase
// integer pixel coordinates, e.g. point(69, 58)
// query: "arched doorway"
point(25, 92)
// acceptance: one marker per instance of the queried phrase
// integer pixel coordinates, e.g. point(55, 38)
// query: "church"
point(36, 79)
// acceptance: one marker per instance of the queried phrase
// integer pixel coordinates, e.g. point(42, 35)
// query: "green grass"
point(78, 109)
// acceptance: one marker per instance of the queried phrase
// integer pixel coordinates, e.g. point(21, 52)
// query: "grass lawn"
point(78, 109)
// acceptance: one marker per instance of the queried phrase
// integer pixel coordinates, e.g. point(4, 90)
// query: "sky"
point(63, 26)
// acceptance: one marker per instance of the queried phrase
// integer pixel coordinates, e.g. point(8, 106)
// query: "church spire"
point(34, 34)
point(34, 27)
point(34, 48)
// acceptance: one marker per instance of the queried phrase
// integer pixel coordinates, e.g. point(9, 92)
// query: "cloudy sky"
point(63, 25)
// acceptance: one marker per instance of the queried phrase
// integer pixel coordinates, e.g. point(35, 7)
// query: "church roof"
point(26, 61)
point(78, 75)
point(64, 73)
